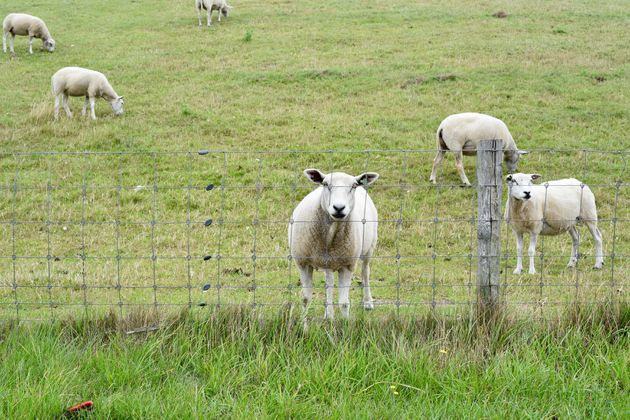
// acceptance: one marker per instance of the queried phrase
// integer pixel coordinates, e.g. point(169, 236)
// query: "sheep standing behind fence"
point(330, 229)
point(26, 25)
point(461, 134)
point(77, 81)
point(550, 209)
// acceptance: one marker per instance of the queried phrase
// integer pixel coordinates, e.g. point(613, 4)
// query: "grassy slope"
point(235, 365)
point(325, 74)
point(312, 76)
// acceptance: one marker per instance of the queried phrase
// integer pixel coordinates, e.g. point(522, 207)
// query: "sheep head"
point(338, 189)
point(520, 185)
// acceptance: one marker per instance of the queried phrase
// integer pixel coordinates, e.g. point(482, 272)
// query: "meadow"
point(112, 223)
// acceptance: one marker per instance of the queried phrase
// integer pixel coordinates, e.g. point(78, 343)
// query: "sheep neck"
point(331, 231)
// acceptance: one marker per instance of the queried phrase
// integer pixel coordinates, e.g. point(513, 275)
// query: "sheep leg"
point(85, 104)
point(533, 237)
point(220, 15)
point(345, 278)
point(4, 42)
point(30, 44)
point(330, 284)
point(57, 106)
point(11, 38)
point(66, 107)
point(459, 164)
point(368, 303)
point(199, 15)
point(92, 103)
point(306, 278)
point(209, 15)
point(597, 237)
point(575, 237)
point(519, 253)
point(437, 162)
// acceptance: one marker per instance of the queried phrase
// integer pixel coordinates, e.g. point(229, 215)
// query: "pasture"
point(112, 223)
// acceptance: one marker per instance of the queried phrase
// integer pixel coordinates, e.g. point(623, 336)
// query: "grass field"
point(305, 77)
point(274, 89)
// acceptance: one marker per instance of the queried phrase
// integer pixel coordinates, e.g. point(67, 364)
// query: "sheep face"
point(520, 185)
point(49, 44)
point(338, 189)
point(225, 10)
point(117, 105)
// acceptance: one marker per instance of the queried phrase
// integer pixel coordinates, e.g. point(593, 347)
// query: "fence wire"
point(91, 232)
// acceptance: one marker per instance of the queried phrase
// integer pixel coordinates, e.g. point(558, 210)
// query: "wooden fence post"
point(489, 189)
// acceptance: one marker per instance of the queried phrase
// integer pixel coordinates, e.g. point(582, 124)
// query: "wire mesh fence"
point(94, 232)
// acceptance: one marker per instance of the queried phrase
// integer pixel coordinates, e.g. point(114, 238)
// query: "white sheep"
point(23, 24)
point(550, 209)
point(461, 134)
point(331, 228)
point(210, 5)
point(77, 81)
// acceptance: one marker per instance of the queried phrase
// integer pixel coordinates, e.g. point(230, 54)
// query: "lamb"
point(330, 229)
point(23, 24)
point(77, 81)
point(550, 209)
point(461, 134)
point(211, 5)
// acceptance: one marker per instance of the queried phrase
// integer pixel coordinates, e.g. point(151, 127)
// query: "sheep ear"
point(535, 177)
point(367, 178)
point(314, 175)
point(508, 178)
point(523, 152)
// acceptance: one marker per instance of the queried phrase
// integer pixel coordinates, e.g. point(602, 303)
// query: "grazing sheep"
point(211, 5)
point(77, 81)
point(330, 229)
point(550, 209)
point(461, 133)
point(23, 24)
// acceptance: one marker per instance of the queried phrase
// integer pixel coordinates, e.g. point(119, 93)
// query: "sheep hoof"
point(368, 306)
point(597, 267)
point(517, 271)
point(532, 271)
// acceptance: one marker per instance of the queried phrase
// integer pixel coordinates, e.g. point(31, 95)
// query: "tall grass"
point(240, 363)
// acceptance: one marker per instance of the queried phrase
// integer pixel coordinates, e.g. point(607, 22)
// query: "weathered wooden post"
point(489, 189)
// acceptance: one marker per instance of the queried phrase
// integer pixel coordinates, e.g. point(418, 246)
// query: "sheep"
point(77, 81)
point(210, 5)
point(550, 209)
point(330, 229)
point(461, 134)
point(23, 24)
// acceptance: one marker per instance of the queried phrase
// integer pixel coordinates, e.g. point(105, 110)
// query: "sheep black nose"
point(338, 209)
point(528, 195)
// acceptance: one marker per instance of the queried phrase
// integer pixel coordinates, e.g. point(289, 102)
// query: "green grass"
point(235, 363)
point(334, 76)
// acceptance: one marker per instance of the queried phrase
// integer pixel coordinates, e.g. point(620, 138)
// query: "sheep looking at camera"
point(77, 81)
point(210, 5)
point(550, 209)
point(461, 134)
point(26, 25)
point(330, 229)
